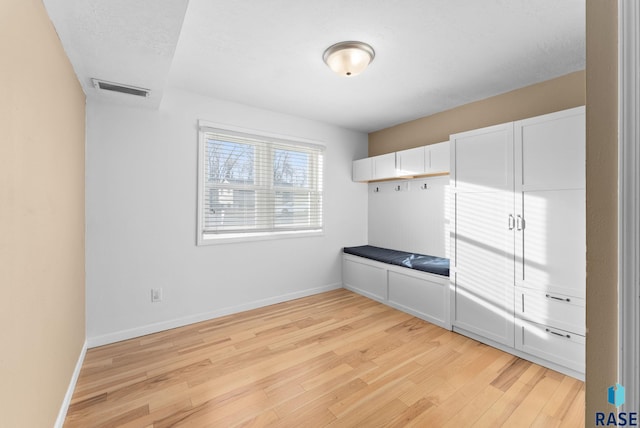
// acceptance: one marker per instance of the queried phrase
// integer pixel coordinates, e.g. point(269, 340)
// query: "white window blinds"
point(254, 184)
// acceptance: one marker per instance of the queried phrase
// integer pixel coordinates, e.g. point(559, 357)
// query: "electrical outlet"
point(156, 295)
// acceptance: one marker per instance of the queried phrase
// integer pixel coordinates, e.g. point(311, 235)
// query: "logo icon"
point(616, 395)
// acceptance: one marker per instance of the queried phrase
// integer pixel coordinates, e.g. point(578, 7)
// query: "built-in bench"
point(430, 264)
point(414, 283)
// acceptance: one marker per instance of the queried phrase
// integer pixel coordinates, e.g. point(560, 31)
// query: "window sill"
point(249, 237)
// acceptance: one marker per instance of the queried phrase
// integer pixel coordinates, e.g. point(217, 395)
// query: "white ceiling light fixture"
point(348, 58)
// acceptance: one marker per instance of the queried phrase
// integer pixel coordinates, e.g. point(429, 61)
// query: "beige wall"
point(42, 318)
point(602, 202)
point(546, 97)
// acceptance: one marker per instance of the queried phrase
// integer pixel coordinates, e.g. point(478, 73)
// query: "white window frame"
point(628, 204)
point(203, 238)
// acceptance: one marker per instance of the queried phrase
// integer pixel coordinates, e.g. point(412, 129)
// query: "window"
point(257, 186)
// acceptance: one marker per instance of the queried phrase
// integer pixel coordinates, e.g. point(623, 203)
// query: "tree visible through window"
point(252, 184)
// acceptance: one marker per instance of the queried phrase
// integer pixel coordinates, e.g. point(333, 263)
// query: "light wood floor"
point(335, 359)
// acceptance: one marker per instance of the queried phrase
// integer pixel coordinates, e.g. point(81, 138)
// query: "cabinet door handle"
point(512, 222)
point(520, 223)
point(562, 299)
point(566, 336)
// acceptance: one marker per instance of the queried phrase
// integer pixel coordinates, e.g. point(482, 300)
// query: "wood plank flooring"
point(335, 359)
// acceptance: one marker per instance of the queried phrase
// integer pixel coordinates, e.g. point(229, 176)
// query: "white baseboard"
point(191, 319)
point(62, 414)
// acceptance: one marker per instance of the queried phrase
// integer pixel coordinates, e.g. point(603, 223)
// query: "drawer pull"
point(567, 336)
point(562, 299)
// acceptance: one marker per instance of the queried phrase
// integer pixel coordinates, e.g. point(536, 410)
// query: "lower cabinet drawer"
point(552, 344)
point(564, 312)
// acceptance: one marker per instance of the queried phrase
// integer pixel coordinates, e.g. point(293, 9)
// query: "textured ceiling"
point(131, 42)
point(431, 55)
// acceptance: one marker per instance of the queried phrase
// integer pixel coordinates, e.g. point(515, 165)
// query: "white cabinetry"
point(420, 161)
point(384, 166)
point(518, 241)
point(550, 195)
point(438, 156)
point(362, 170)
point(559, 347)
point(374, 168)
point(550, 237)
point(422, 294)
point(411, 161)
point(365, 277)
point(482, 251)
point(419, 293)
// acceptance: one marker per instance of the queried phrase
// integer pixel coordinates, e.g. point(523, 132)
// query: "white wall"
point(141, 220)
point(411, 219)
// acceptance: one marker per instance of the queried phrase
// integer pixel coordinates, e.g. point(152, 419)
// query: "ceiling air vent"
point(117, 87)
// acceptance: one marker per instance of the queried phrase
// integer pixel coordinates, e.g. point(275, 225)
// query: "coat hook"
point(425, 186)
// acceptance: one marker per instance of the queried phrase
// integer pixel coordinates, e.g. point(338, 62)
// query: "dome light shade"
point(348, 58)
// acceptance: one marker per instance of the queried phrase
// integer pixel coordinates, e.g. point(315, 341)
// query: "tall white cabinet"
point(550, 251)
point(482, 247)
point(518, 236)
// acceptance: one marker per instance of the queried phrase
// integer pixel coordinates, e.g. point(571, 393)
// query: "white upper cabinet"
point(362, 170)
point(374, 168)
point(551, 151)
point(426, 160)
point(438, 156)
point(411, 162)
point(384, 166)
point(482, 160)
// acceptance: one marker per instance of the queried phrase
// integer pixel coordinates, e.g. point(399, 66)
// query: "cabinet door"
point(482, 160)
point(368, 279)
point(411, 162)
point(483, 265)
point(482, 252)
point(362, 170)
point(550, 151)
point(550, 202)
point(419, 295)
point(551, 241)
point(439, 158)
point(384, 166)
